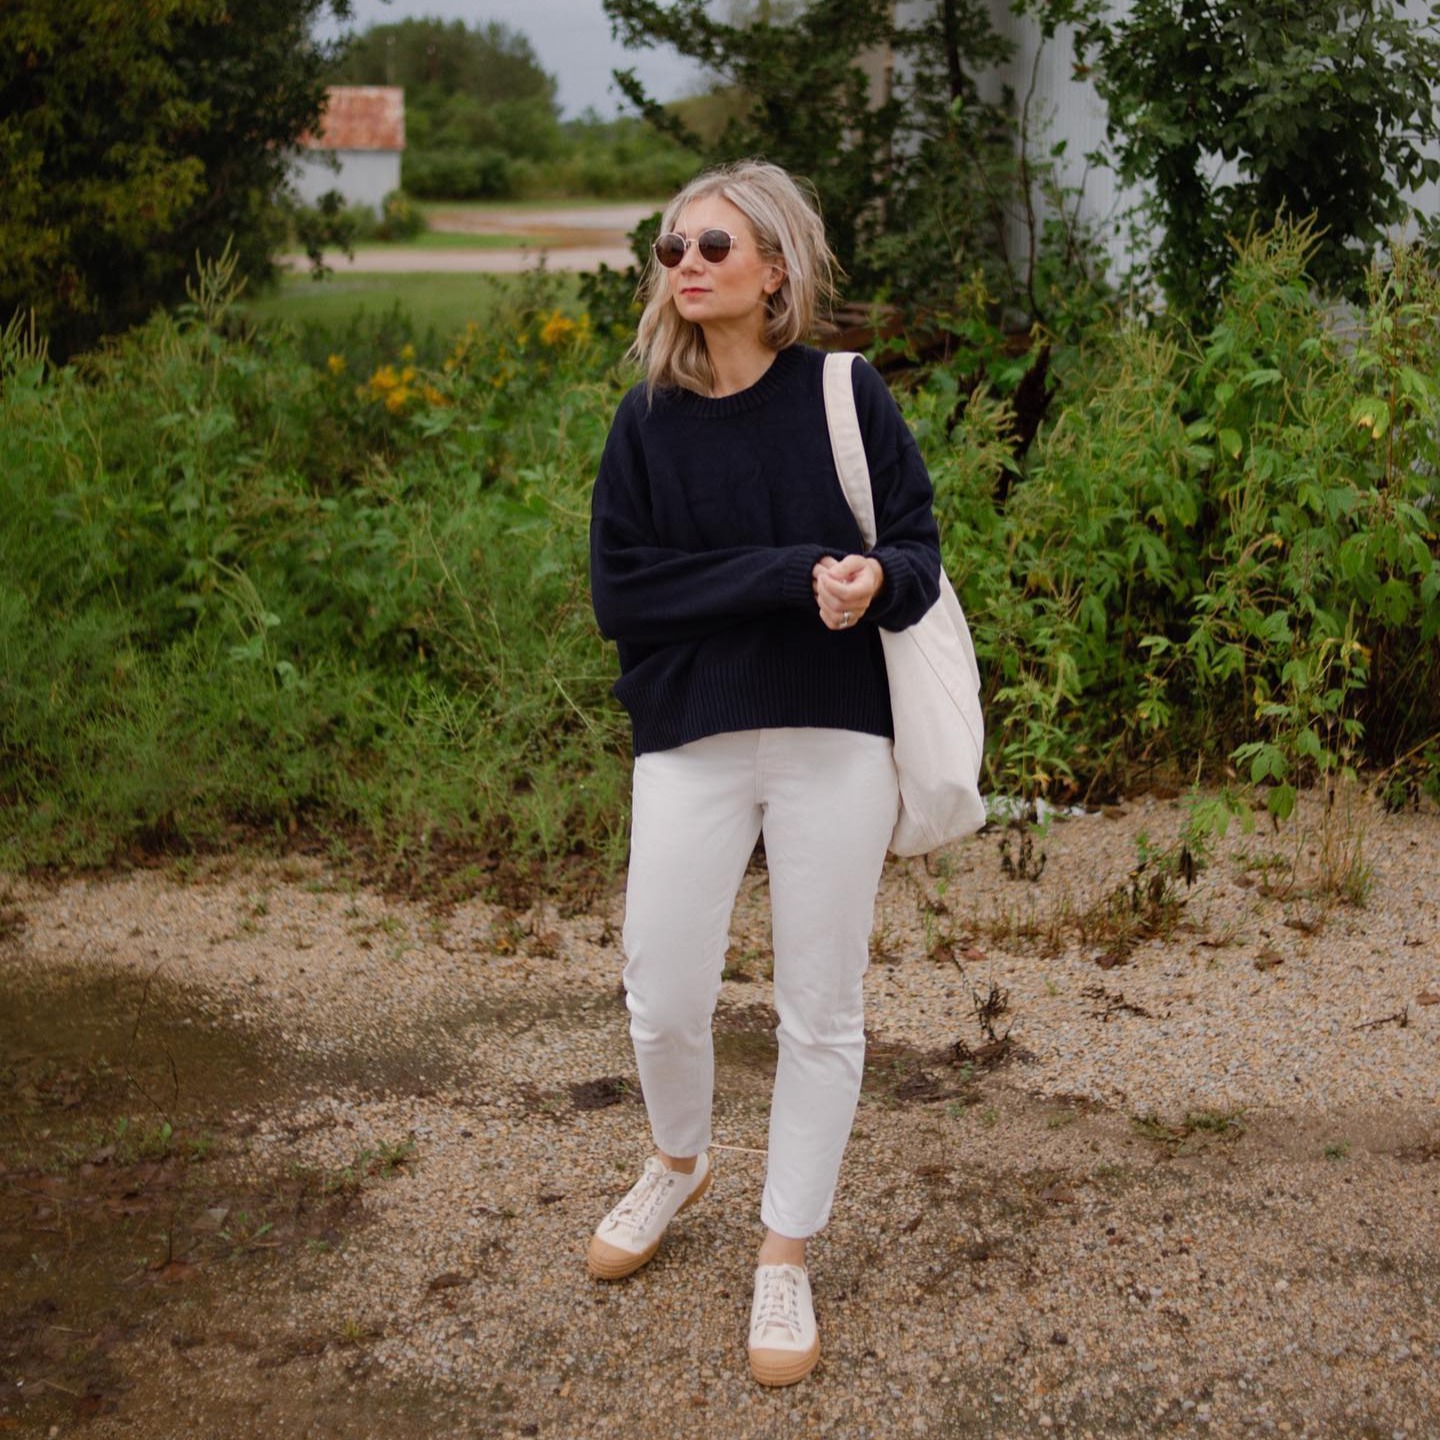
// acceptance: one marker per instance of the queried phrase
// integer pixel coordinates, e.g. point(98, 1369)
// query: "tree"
point(1323, 109)
point(133, 137)
point(475, 101)
point(807, 103)
point(491, 63)
point(953, 179)
point(909, 174)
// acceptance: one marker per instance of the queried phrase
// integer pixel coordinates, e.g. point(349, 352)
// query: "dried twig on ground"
point(1115, 1004)
point(1401, 1018)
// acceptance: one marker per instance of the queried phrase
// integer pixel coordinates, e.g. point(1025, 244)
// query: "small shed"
point(363, 128)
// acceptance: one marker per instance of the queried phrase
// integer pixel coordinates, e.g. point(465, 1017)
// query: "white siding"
point(1054, 108)
point(365, 177)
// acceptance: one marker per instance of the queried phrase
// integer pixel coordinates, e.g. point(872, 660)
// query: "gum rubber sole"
point(783, 1367)
point(609, 1262)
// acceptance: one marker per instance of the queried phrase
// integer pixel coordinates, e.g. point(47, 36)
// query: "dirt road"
point(563, 238)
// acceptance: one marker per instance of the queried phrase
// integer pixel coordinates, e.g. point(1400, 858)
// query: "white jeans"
point(826, 801)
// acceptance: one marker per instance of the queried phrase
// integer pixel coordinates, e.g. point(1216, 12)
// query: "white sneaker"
point(630, 1234)
point(784, 1342)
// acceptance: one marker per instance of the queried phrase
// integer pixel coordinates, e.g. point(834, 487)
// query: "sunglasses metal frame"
point(699, 242)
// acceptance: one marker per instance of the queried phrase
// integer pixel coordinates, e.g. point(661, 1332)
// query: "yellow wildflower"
point(335, 364)
point(407, 352)
point(397, 399)
point(557, 329)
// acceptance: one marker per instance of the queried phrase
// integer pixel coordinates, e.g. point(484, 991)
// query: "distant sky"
point(571, 39)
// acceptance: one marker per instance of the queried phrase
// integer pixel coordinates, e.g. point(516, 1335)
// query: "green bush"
point(400, 218)
point(1326, 109)
point(328, 225)
point(240, 587)
point(458, 173)
point(1224, 548)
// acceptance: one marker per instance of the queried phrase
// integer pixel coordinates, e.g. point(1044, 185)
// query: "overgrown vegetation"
point(348, 598)
point(1224, 548)
point(133, 137)
point(238, 588)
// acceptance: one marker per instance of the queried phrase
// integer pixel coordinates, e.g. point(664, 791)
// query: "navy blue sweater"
point(707, 519)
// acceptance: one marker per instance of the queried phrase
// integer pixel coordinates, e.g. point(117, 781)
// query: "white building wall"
point(365, 177)
point(1054, 108)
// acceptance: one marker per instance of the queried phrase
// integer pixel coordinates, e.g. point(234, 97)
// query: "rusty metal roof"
point(361, 117)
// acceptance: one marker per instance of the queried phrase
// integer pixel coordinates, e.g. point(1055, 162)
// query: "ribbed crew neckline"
point(786, 364)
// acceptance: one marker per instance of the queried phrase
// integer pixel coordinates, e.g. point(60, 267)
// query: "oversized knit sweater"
point(707, 520)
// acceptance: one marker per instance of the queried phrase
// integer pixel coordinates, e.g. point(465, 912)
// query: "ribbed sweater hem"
point(719, 701)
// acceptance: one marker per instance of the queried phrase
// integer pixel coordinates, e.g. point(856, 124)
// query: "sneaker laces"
point(647, 1195)
point(779, 1302)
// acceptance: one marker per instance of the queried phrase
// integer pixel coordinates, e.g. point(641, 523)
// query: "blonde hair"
point(788, 231)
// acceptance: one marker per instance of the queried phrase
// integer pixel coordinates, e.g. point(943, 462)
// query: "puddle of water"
point(118, 1102)
point(86, 1051)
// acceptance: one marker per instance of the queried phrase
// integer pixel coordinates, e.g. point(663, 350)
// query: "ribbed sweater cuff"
point(895, 601)
point(796, 584)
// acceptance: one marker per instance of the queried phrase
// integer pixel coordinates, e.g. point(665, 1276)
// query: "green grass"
point(439, 302)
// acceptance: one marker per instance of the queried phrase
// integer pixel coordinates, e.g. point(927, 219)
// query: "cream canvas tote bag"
point(934, 677)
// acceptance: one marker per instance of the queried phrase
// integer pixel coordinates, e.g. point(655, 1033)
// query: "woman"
point(726, 565)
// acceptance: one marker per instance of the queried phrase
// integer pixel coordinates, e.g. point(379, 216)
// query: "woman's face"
point(726, 296)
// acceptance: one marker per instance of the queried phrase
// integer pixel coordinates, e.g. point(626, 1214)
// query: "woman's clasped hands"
point(844, 589)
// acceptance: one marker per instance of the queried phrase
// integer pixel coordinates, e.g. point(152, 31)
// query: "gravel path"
point(567, 238)
point(580, 221)
point(1194, 1192)
point(500, 260)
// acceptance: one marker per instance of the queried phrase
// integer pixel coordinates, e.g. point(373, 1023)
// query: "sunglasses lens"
point(714, 245)
point(670, 250)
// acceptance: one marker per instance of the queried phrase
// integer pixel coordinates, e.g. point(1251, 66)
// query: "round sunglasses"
point(713, 245)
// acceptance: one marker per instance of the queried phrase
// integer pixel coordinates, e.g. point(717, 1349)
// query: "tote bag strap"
point(846, 443)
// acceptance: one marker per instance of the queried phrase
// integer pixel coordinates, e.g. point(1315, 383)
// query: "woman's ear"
point(774, 279)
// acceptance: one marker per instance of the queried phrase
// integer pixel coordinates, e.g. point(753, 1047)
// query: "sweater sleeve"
point(907, 539)
point(646, 593)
